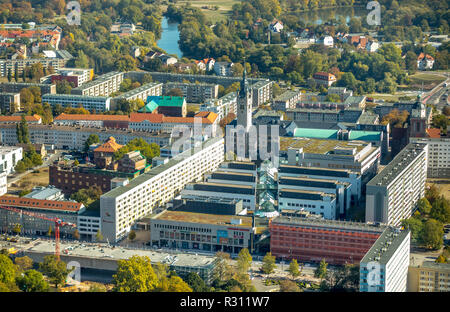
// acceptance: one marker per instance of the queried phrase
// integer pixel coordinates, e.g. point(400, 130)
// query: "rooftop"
point(32, 203)
point(43, 193)
point(99, 79)
point(335, 225)
point(18, 118)
point(93, 117)
point(157, 170)
point(398, 164)
point(138, 90)
point(318, 146)
point(385, 246)
point(316, 133)
point(203, 218)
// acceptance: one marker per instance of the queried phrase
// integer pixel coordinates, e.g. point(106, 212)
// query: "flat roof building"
point(392, 195)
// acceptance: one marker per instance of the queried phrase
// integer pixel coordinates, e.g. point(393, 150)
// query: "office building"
point(319, 203)
point(200, 231)
point(46, 193)
point(9, 157)
point(312, 239)
point(384, 267)
point(392, 195)
point(123, 206)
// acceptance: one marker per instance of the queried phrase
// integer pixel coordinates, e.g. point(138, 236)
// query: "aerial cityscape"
point(224, 146)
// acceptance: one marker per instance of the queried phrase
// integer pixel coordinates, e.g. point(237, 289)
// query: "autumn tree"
point(294, 268)
point(321, 270)
point(56, 270)
point(268, 263)
point(244, 261)
point(135, 274)
point(24, 263)
point(32, 281)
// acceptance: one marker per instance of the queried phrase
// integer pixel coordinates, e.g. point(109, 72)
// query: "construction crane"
point(58, 223)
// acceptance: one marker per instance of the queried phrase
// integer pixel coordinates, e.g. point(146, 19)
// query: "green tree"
point(416, 227)
point(17, 228)
point(196, 282)
point(222, 270)
point(343, 279)
point(49, 232)
point(63, 87)
point(294, 268)
point(7, 271)
point(268, 263)
point(22, 132)
point(56, 270)
point(82, 61)
point(24, 263)
point(289, 286)
point(175, 92)
point(321, 270)
point(96, 287)
point(440, 210)
point(99, 236)
point(93, 138)
point(9, 75)
point(424, 206)
point(135, 275)
point(244, 261)
point(441, 259)
point(441, 122)
point(432, 193)
point(432, 236)
point(32, 281)
point(132, 235)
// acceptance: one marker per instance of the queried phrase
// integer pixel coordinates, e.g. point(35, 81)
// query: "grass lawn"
point(31, 180)
point(428, 80)
point(212, 15)
point(443, 185)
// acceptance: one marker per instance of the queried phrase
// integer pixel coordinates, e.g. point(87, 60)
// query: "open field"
point(443, 185)
point(207, 8)
point(429, 80)
point(30, 180)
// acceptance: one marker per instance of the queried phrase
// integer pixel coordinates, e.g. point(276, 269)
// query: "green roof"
point(316, 133)
point(364, 135)
point(155, 101)
point(148, 108)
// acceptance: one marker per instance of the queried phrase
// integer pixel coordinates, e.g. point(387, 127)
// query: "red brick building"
point(311, 240)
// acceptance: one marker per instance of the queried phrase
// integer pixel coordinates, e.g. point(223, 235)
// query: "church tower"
point(418, 120)
point(244, 104)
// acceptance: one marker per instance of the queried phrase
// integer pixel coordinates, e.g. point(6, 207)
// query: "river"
point(170, 33)
point(169, 38)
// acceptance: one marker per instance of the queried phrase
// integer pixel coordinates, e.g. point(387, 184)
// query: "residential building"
point(16, 87)
point(312, 239)
point(123, 29)
point(429, 276)
point(262, 92)
point(276, 26)
point(74, 138)
point(66, 210)
point(438, 160)
point(141, 93)
point(9, 102)
point(9, 157)
point(223, 68)
point(327, 41)
point(222, 106)
point(425, 61)
point(384, 267)
point(123, 206)
point(287, 100)
point(194, 92)
point(206, 64)
point(30, 119)
point(392, 195)
point(75, 76)
point(104, 85)
point(92, 120)
point(326, 79)
point(97, 103)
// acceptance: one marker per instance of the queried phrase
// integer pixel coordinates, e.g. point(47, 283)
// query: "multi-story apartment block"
point(141, 93)
point(97, 103)
point(202, 231)
point(309, 238)
point(392, 195)
point(429, 276)
point(194, 92)
point(438, 161)
point(104, 85)
point(287, 100)
point(384, 267)
point(9, 102)
point(34, 119)
point(223, 68)
point(75, 76)
point(122, 206)
point(15, 87)
point(324, 118)
point(58, 61)
point(68, 137)
point(92, 120)
point(262, 92)
point(9, 157)
point(222, 106)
